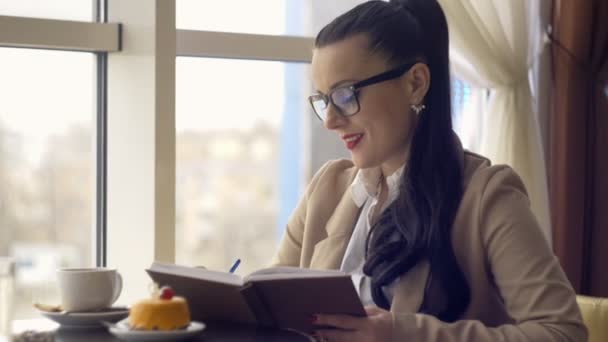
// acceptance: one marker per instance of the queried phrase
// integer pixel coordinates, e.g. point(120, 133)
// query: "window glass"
point(47, 168)
point(274, 17)
point(78, 10)
point(466, 119)
point(239, 151)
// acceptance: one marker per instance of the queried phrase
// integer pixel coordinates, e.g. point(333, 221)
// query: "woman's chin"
point(362, 163)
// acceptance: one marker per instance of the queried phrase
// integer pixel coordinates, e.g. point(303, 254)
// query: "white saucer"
point(124, 332)
point(86, 319)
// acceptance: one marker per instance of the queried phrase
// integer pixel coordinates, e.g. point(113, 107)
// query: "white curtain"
point(493, 47)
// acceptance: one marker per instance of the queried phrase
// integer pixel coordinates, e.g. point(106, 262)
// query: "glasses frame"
point(355, 88)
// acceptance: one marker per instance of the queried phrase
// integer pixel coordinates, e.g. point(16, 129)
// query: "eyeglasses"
point(346, 99)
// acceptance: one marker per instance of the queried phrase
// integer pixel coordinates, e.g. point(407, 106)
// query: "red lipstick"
point(352, 140)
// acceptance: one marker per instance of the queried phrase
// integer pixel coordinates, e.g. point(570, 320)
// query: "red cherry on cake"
point(166, 293)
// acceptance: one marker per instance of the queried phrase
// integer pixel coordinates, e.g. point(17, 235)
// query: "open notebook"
point(280, 297)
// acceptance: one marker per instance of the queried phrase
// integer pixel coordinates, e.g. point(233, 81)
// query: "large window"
point(47, 167)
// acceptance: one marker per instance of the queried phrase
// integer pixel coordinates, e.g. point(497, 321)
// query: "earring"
point(418, 108)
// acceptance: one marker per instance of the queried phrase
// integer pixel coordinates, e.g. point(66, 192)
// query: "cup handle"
point(117, 288)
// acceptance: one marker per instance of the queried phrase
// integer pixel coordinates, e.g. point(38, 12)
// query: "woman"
point(441, 245)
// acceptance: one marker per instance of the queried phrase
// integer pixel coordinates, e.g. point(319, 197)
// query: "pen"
point(236, 264)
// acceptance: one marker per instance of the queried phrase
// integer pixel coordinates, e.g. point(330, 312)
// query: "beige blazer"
point(518, 289)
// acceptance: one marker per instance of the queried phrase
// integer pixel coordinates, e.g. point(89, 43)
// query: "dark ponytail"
point(418, 224)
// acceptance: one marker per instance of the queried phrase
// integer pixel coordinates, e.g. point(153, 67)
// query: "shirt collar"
point(365, 184)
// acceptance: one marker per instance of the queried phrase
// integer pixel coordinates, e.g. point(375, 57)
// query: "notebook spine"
point(258, 306)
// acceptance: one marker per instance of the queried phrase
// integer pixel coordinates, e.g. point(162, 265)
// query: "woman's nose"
point(333, 119)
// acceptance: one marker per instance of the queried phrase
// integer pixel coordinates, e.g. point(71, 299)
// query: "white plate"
point(124, 332)
point(86, 319)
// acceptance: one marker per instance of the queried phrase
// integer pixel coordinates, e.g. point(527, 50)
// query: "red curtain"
point(578, 170)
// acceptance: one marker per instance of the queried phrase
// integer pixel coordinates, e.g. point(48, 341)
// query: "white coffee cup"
point(88, 289)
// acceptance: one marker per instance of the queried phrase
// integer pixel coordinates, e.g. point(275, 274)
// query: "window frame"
point(54, 34)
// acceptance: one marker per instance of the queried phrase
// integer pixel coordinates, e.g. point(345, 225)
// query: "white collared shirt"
point(365, 190)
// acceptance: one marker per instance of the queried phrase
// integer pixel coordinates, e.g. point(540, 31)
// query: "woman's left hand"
point(375, 327)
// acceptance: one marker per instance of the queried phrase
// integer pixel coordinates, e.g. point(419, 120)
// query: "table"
point(210, 334)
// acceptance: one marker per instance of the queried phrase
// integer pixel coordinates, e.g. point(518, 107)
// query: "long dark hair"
point(418, 224)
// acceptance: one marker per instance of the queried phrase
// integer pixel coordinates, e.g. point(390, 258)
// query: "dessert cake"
point(164, 311)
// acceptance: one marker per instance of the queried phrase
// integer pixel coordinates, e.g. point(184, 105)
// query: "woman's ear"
point(419, 79)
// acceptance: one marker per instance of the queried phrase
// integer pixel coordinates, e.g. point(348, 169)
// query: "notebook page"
point(198, 273)
point(287, 272)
